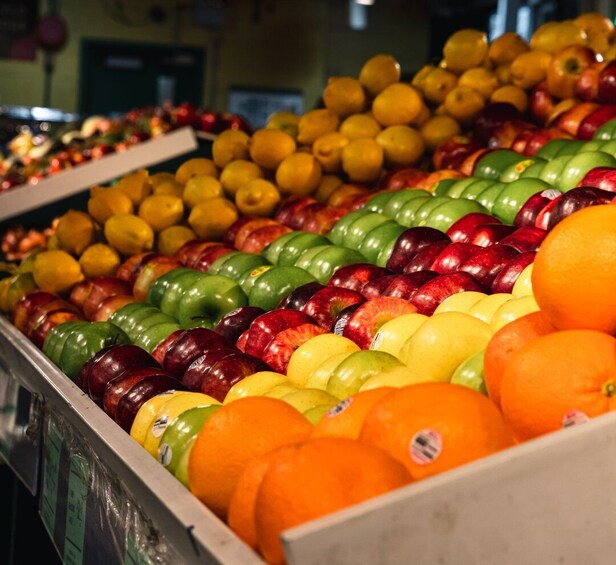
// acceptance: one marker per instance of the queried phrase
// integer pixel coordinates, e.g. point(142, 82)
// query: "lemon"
point(99, 260)
point(158, 178)
point(344, 96)
point(196, 166)
point(212, 218)
point(161, 211)
point(379, 72)
point(228, 146)
point(237, 173)
point(108, 202)
point(299, 174)
point(511, 94)
point(56, 271)
point(439, 129)
point(75, 231)
point(359, 125)
point(316, 123)
point(327, 186)
point(172, 238)
point(505, 48)
point(402, 145)
point(362, 160)
point(437, 84)
point(268, 147)
point(328, 151)
point(136, 186)
point(424, 115)
point(480, 79)
point(200, 188)
point(464, 104)
point(170, 187)
point(285, 121)
point(129, 234)
point(398, 104)
point(259, 197)
point(465, 49)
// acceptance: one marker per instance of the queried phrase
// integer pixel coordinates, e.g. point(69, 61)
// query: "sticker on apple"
point(339, 408)
point(574, 418)
point(165, 454)
point(340, 325)
point(377, 340)
point(159, 426)
point(196, 362)
point(426, 446)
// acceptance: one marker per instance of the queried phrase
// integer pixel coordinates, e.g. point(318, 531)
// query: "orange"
point(433, 427)
point(233, 436)
point(505, 48)
point(465, 49)
point(379, 72)
point(317, 478)
point(398, 104)
point(346, 418)
point(505, 342)
point(558, 380)
point(230, 145)
point(574, 272)
point(241, 518)
point(196, 166)
point(344, 96)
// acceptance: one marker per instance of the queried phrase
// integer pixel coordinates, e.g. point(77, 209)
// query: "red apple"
point(489, 234)
point(406, 285)
point(233, 324)
point(487, 263)
point(587, 87)
point(188, 347)
point(521, 140)
point(188, 254)
point(155, 268)
point(129, 270)
point(198, 369)
point(343, 319)
point(573, 200)
point(325, 305)
point(541, 136)
point(161, 349)
point(209, 255)
point(451, 153)
point(278, 351)
point(606, 92)
point(410, 242)
point(322, 221)
point(430, 295)
point(50, 321)
point(229, 237)
point(355, 276)
point(527, 215)
point(524, 239)
point(600, 177)
point(541, 103)
point(398, 179)
point(27, 303)
point(566, 67)
point(80, 292)
point(241, 341)
point(306, 215)
point(491, 117)
point(467, 167)
point(40, 312)
point(244, 231)
point(461, 230)
point(571, 119)
point(266, 326)
point(290, 207)
point(508, 275)
point(452, 256)
point(425, 257)
point(209, 121)
point(109, 305)
point(503, 136)
point(260, 238)
point(102, 288)
point(296, 299)
point(371, 315)
point(595, 120)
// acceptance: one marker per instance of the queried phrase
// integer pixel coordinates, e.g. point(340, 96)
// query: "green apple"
point(272, 251)
point(385, 253)
point(294, 248)
point(444, 216)
point(237, 264)
point(181, 470)
point(578, 165)
point(609, 147)
point(595, 145)
point(175, 290)
point(330, 259)
point(551, 171)
point(320, 375)
point(275, 284)
point(534, 171)
point(379, 238)
point(513, 171)
point(473, 190)
point(248, 279)
point(314, 414)
point(218, 263)
point(337, 233)
point(449, 187)
point(351, 373)
point(426, 208)
point(307, 256)
point(179, 433)
point(493, 164)
point(515, 194)
point(400, 198)
point(571, 148)
point(606, 132)
point(208, 300)
point(550, 149)
point(405, 215)
point(378, 202)
point(357, 230)
point(487, 197)
point(146, 323)
point(470, 373)
point(161, 284)
point(127, 318)
point(155, 334)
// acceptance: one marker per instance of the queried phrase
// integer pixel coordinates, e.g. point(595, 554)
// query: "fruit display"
point(409, 279)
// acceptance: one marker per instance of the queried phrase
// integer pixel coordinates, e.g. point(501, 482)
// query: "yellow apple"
point(255, 385)
point(147, 413)
point(392, 334)
point(523, 285)
point(396, 377)
point(304, 399)
point(436, 349)
point(319, 377)
point(279, 391)
point(313, 415)
point(460, 301)
point(311, 354)
point(484, 309)
point(512, 310)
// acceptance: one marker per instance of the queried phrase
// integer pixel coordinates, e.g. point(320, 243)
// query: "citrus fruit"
point(344, 96)
point(258, 197)
point(480, 79)
point(530, 68)
point(398, 104)
point(169, 187)
point(268, 147)
point(109, 202)
point(75, 231)
point(403, 146)
point(554, 36)
point(378, 73)
point(285, 121)
point(228, 146)
point(342, 471)
point(237, 173)
point(359, 125)
point(511, 94)
point(196, 166)
point(558, 380)
point(99, 260)
point(437, 84)
point(328, 184)
point(136, 186)
point(161, 211)
point(505, 342)
point(314, 124)
point(172, 238)
point(159, 178)
point(200, 188)
point(212, 218)
point(465, 49)
point(328, 151)
point(362, 160)
point(56, 271)
point(464, 104)
point(438, 129)
point(223, 447)
point(433, 427)
point(298, 174)
point(129, 234)
point(506, 47)
point(574, 272)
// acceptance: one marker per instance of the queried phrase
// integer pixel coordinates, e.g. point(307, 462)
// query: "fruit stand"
point(379, 331)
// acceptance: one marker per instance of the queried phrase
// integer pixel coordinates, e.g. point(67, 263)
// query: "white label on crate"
point(196, 362)
point(339, 408)
point(377, 340)
point(159, 426)
point(574, 418)
point(426, 446)
point(165, 454)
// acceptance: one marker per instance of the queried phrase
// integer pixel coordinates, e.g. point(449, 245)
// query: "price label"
point(134, 554)
point(51, 471)
point(77, 498)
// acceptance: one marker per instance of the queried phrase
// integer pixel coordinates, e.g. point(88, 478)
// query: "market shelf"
point(26, 197)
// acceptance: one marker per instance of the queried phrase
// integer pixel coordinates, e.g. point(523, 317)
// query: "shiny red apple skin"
point(487, 263)
point(491, 117)
point(290, 208)
point(125, 270)
point(366, 320)
point(424, 258)
point(489, 234)
point(188, 254)
point(540, 137)
point(452, 256)
point(140, 265)
point(524, 239)
point(405, 285)
point(160, 350)
point(198, 369)
point(430, 295)
point(600, 177)
point(278, 352)
point(27, 303)
point(356, 275)
point(521, 140)
point(305, 215)
point(50, 321)
point(110, 362)
point(461, 230)
point(398, 179)
point(260, 238)
point(541, 103)
point(325, 305)
point(343, 319)
point(606, 91)
point(40, 312)
point(236, 322)
point(209, 255)
point(376, 287)
point(508, 275)
point(527, 215)
point(451, 153)
point(136, 396)
point(322, 221)
point(576, 199)
point(188, 347)
point(571, 119)
point(504, 135)
point(296, 299)
point(593, 121)
point(587, 87)
point(80, 291)
point(410, 242)
point(266, 326)
point(102, 288)
point(229, 237)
